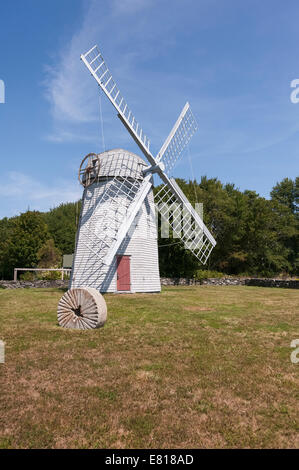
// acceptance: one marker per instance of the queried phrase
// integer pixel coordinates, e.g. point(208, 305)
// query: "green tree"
point(287, 193)
point(62, 222)
point(254, 235)
point(174, 259)
point(28, 234)
point(48, 255)
point(6, 228)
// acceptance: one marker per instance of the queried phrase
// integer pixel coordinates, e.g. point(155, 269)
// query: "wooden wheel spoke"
point(88, 172)
point(82, 308)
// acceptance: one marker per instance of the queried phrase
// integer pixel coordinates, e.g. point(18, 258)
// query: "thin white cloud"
point(72, 95)
point(122, 30)
point(127, 7)
point(67, 82)
point(21, 190)
point(61, 136)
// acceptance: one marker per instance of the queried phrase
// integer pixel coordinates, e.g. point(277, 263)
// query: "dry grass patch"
point(195, 308)
point(199, 366)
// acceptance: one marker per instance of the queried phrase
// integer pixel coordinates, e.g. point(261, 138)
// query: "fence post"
point(15, 274)
point(62, 272)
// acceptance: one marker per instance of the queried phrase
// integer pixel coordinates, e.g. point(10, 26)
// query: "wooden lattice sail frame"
point(198, 238)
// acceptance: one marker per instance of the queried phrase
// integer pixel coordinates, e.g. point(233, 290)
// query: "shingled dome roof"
point(119, 162)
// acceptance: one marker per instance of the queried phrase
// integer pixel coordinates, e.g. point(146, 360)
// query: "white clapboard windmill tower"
point(116, 246)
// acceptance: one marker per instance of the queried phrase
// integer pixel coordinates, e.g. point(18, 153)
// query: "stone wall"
point(232, 281)
point(30, 284)
point(285, 283)
point(223, 281)
point(166, 281)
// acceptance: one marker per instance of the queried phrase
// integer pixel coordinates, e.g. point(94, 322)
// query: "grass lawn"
point(193, 367)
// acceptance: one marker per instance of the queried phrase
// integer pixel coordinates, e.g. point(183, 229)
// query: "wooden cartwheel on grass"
point(82, 308)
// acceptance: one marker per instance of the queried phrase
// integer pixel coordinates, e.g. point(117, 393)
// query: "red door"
point(123, 273)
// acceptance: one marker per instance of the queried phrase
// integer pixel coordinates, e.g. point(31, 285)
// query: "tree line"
point(255, 236)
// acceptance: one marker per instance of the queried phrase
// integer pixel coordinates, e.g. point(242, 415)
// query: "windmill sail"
point(185, 221)
point(95, 63)
point(178, 138)
point(196, 236)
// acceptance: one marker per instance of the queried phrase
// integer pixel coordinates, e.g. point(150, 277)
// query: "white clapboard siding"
point(140, 242)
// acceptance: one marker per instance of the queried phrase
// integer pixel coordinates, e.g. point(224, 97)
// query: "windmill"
point(116, 246)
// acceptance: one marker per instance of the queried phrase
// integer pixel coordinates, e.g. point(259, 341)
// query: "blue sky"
point(232, 60)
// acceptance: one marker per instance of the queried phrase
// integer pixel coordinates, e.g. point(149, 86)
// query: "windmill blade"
point(177, 140)
point(130, 216)
point(95, 63)
point(186, 222)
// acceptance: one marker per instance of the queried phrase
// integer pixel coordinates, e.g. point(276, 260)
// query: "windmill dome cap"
point(120, 162)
